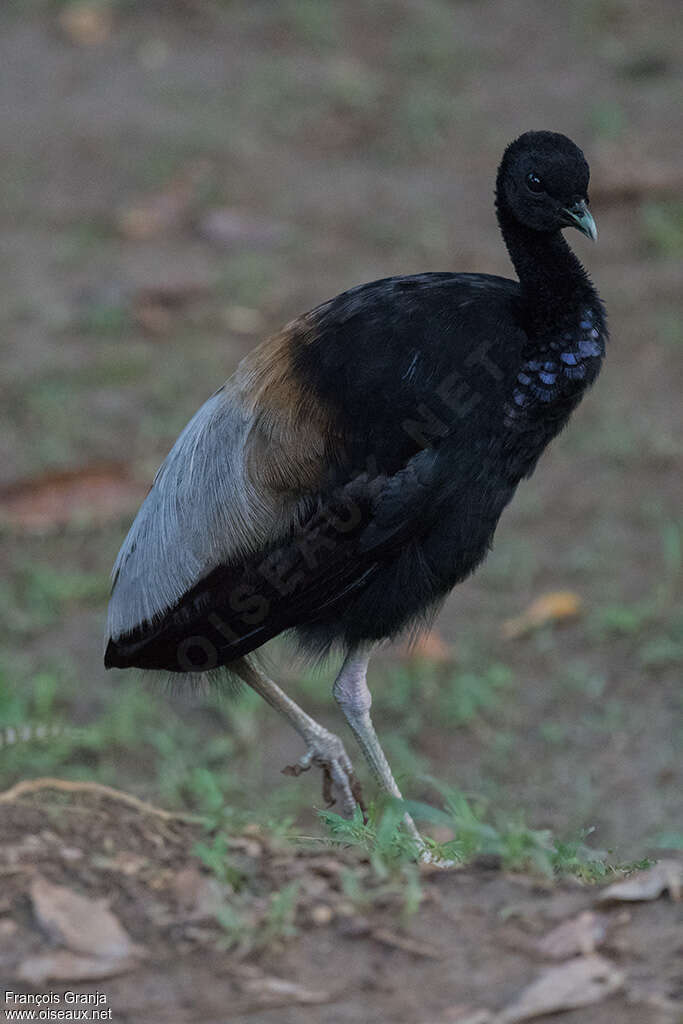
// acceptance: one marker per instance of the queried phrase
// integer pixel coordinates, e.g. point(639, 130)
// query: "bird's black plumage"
point(431, 397)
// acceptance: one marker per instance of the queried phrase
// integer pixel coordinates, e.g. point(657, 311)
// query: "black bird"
point(354, 468)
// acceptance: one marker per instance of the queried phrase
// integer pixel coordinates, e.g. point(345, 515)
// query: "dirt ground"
point(479, 938)
point(180, 179)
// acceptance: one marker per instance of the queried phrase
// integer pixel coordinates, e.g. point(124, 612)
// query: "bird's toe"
point(340, 785)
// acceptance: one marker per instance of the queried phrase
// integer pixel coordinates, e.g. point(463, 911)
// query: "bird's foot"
point(429, 857)
point(327, 752)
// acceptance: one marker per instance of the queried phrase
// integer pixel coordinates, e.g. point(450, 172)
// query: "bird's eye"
point(534, 183)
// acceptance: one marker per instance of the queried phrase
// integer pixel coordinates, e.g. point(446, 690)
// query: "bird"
point(354, 468)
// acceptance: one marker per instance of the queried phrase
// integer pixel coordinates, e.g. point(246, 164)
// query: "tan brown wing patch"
point(293, 435)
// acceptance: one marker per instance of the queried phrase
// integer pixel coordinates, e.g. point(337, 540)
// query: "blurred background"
point(179, 179)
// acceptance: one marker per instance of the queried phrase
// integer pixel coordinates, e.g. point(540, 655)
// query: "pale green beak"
point(579, 216)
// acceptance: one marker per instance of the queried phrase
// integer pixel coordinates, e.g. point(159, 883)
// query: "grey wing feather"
point(202, 510)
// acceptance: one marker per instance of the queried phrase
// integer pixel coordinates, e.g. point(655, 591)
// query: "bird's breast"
point(552, 379)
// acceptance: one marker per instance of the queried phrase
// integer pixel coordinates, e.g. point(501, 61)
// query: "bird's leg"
point(354, 698)
point(323, 748)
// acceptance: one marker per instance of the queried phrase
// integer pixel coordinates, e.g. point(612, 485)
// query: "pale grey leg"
point(323, 748)
point(353, 697)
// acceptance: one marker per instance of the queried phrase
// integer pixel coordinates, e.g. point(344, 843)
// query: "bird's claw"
point(327, 752)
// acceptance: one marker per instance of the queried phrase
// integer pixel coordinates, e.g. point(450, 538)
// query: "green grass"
point(661, 223)
point(607, 120)
point(35, 596)
point(380, 860)
point(421, 692)
point(478, 831)
point(185, 753)
point(248, 931)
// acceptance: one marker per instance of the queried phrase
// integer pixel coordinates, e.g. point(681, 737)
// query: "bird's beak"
point(579, 216)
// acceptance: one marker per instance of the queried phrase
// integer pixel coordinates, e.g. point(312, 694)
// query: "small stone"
point(8, 927)
point(70, 853)
point(321, 914)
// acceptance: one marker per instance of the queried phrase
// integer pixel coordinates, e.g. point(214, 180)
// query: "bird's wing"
point(232, 484)
point(334, 552)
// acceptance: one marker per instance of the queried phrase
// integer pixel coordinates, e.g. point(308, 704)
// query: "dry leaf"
point(86, 24)
point(62, 965)
point(580, 982)
point(551, 607)
point(648, 884)
point(429, 646)
point(406, 944)
point(198, 895)
point(244, 844)
point(91, 495)
point(167, 209)
point(156, 309)
point(272, 991)
point(580, 935)
point(125, 862)
point(82, 925)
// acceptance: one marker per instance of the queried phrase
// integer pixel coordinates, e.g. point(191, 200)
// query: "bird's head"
point(543, 184)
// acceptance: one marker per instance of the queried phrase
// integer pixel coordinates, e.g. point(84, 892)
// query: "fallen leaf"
point(666, 875)
point(427, 646)
point(647, 995)
point(581, 935)
point(270, 991)
point(86, 24)
point(88, 496)
point(551, 607)
point(244, 844)
point(406, 944)
point(81, 924)
point(328, 867)
point(124, 862)
point(167, 209)
point(228, 226)
point(580, 982)
point(70, 853)
point(156, 309)
point(62, 965)
point(8, 927)
point(198, 895)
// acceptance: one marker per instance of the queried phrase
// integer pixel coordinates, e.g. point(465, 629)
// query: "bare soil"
point(474, 943)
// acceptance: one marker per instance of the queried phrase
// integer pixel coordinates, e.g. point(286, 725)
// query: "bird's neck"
point(555, 287)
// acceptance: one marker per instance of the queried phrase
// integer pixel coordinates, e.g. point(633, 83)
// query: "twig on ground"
point(99, 789)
